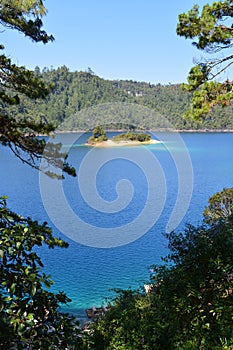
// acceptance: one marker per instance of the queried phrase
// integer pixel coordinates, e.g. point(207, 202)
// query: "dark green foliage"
point(25, 16)
point(29, 312)
point(220, 206)
point(132, 136)
point(18, 125)
point(208, 26)
point(73, 104)
point(212, 30)
point(198, 287)
point(98, 135)
point(123, 326)
point(20, 137)
point(190, 303)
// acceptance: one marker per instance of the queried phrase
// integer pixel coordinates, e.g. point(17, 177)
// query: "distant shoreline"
point(157, 130)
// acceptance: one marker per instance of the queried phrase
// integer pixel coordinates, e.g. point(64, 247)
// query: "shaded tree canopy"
point(189, 304)
point(29, 312)
point(19, 133)
point(25, 16)
point(211, 29)
point(220, 206)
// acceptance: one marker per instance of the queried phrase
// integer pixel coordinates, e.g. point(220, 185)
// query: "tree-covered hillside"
point(81, 100)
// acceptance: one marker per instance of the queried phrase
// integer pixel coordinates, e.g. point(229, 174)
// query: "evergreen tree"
point(18, 133)
point(212, 30)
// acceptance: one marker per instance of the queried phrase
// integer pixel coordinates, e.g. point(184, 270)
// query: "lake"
point(115, 212)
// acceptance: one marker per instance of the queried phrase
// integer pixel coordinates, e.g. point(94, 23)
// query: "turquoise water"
point(88, 274)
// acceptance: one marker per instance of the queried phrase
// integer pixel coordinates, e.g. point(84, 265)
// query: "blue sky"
point(117, 39)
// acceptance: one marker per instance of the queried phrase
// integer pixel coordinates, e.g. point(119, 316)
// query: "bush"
point(29, 312)
point(190, 304)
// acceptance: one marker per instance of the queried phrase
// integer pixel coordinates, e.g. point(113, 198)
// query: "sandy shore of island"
point(110, 143)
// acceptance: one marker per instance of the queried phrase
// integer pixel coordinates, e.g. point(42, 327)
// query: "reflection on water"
point(88, 274)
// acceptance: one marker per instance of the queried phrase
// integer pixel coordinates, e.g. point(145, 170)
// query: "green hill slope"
point(81, 100)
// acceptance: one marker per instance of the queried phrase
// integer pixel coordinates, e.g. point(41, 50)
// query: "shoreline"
point(157, 130)
point(110, 143)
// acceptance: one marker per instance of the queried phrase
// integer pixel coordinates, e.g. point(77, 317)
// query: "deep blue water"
point(86, 273)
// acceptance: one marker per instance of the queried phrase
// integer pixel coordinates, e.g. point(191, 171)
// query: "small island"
point(99, 139)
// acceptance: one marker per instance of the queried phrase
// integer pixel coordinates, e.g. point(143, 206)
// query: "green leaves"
point(197, 76)
point(212, 30)
point(19, 134)
point(207, 96)
point(21, 80)
point(20, 137)
point(24, 16)
point(98, 135)
point(12, 288)
point(28, 310)
point(220, 206)
point(190, 304)
point(208, 26)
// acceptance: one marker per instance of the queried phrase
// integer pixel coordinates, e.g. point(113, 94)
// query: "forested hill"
point(82, 99)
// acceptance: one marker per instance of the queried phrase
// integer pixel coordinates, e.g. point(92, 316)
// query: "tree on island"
point(98, 135)
point(212, 30)
point(190, 303)
point(132, 136)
